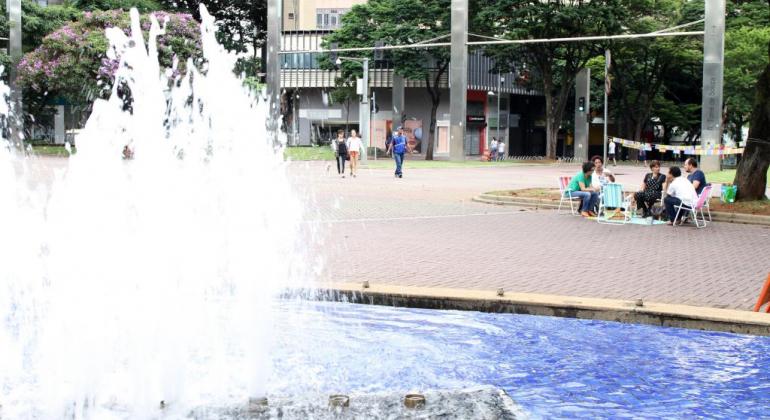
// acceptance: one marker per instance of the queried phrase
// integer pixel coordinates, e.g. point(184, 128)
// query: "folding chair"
point(612, 197)
point(566, 195)
point(706, 204)
point(698, 207)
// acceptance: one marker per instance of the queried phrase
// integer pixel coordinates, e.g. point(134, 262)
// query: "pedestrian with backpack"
point(399, 146)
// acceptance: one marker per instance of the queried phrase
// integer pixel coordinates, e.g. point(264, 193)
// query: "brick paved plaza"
point(424, 230)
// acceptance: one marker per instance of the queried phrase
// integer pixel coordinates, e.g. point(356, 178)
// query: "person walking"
point(493, 150)
point(341, 152)
point(611, 153)
point(399, 146)
point(500, 150)
point(355, 148)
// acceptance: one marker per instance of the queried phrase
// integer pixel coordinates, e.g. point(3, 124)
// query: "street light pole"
point(365, 114)
point(499, 79)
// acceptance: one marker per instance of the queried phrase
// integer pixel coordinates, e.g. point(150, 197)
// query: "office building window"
point(329, 18)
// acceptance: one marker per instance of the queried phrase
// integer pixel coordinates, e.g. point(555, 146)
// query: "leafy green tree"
point(751, 176)
point(242, 27)
point(72, 63)
point(400, 22)
point(143, 6)
point(556, 64)
point(745, 58)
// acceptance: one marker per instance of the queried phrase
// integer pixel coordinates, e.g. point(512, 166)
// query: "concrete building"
point(309, 15)
point(311, 116)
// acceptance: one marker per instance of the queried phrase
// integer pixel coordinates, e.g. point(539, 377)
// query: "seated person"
point(580, 186)
point(679, 192)
point(651, 189)
point(697, 177)
point(601, 175)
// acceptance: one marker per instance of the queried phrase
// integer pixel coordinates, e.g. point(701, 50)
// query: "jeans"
point(341, 165)
point(399, 157)
point(588, 199)
point(670, 202)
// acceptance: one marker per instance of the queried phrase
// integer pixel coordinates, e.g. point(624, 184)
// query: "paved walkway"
point(423, 230)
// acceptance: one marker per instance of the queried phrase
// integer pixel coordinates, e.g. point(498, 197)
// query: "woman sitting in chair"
point(651, 189)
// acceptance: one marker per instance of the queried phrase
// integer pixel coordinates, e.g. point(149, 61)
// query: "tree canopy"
point(398, 22)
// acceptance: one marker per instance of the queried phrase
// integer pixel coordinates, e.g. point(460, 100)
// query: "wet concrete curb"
point(626, 311)
point(546, 204)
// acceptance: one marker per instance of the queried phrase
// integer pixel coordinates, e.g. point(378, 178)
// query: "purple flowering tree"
point(72, 63)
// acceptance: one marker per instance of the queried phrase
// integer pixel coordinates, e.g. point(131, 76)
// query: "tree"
point(556, 64)
point(744, 60)
point(344, 94)
point(641, 67)
point(72, 61)
point(241, 27)
point(400, 22)
point(751, 176)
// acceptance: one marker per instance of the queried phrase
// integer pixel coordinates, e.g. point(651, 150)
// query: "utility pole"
point(458, 80)
point(16, 123)
point(274, 20)
point(607, 59)
point(364, 111)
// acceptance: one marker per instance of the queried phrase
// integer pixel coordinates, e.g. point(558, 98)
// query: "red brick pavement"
point(424, 231)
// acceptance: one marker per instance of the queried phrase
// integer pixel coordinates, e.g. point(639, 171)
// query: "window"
point(291, 16)
point(329, 18)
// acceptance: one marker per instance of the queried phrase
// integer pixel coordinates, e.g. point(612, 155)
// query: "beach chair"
point(566, 195)
point(612, 198)
point(695, 209)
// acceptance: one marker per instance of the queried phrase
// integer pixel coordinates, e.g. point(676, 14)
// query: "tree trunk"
point(751, 177)
point(432, 132)
point(551, 128)
point(435, 96)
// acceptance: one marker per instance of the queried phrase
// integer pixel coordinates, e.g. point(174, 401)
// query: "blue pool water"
point(552, 367)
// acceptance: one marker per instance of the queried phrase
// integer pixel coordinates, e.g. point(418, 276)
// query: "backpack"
point(399, 144)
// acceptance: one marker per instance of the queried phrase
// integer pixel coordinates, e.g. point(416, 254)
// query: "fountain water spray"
point(135, 281)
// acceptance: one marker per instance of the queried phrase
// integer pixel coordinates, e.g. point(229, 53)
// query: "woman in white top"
point(601, 174)
point(355, 148)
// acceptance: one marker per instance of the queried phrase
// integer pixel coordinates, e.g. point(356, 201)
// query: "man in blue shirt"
point(399, 146)
point(696, 177)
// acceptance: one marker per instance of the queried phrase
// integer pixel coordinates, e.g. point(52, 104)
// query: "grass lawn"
point(51, 150)
point(725, 177)
point(309, 153)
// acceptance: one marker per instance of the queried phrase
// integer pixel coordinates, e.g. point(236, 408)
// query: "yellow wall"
point(305, 12)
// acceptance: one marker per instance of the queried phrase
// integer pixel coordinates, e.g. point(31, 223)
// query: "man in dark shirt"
point(696, 177)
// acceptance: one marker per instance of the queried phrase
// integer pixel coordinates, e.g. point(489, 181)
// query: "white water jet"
point(135, 281)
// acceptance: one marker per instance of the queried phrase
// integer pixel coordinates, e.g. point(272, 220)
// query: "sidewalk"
point(424, 231)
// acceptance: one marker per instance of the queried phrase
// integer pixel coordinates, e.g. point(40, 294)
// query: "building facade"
point(499, 105)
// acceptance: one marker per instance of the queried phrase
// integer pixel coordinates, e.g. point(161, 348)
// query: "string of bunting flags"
point(719, 150)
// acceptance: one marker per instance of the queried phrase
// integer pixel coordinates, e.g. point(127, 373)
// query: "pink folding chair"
point(566, 195)
point(695, 209)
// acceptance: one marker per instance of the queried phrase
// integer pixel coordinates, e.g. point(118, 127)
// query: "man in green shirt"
point(580, 187)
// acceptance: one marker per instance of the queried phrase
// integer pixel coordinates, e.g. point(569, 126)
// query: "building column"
point(713, 74)
point(399, 112)
point(59, 128)
point(582, 100)
point(274, 21)
point(16, 122)
point(458, 80)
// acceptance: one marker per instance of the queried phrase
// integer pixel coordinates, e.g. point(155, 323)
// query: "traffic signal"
point(582, 104)
point(379, 54)
point(333, 55)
